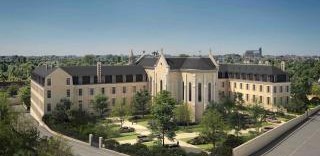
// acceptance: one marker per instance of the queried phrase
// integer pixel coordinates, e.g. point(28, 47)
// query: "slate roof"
point(91, 70)
point(200, 63)
point(251, 69)
point(105, 70)
point(147, 61)
point(43, 71)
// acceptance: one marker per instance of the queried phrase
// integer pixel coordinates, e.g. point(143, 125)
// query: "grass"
point(205, 147)
point(149, 144)
point(189, 129)
point(144, 121)
point(126, 136)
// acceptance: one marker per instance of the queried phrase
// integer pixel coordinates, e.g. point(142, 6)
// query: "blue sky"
point(60, 27)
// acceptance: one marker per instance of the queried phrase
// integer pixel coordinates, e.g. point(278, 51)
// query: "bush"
point(198, 140)
point(111, 144)
point(126, 129)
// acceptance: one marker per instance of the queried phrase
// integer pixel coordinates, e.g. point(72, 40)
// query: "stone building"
point(193, 80)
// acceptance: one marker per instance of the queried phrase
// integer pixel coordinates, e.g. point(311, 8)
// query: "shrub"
point(126, 129)
point(111, 144)
point(198, 140)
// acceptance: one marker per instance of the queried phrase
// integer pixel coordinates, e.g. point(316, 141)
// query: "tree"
point(239, 104)
point(213, 126)
point(296, 105)
point(62, 111)
point(54, 146)
point(121, 110)
point(100, 104)
point(183, 114)
point(24, 95)
point(163, 115)
point(141, 102)
point(315, 89)
point(258, 113)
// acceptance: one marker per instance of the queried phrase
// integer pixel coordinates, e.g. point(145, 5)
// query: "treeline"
point(18, 68)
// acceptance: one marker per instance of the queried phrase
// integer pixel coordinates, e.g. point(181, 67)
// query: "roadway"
point(303, 140)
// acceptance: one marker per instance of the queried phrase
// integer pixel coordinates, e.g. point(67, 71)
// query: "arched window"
point(199, 92)
point(190, 99)
point(160, 85)
point(209, 92)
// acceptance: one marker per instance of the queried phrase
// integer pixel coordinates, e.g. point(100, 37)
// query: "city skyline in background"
point(115, 27)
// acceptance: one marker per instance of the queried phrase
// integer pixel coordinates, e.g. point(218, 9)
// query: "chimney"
point(99, 72)
point(283, 66)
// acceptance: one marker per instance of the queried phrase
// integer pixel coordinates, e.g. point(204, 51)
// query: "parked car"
point(143, 138)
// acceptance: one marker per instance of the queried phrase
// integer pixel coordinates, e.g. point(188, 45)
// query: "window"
point(119, 78)
point(139, 78)
point(75, 80)
point(85, 79)
point(223, 84)
point(80, 105)
point(80, 92)
point(91, 91)
point(274, 101)
point(287, 88)
point(281, 89)
point(260, 100)
point(160, 85)
point(49, 82)
point(102, 90)
point(68, 92)
point(247, 97)
point(129, 78)
point(144, 87)
point(48, 93)
point(268, 100)
point(68, 81)
point(134, 89)
point(113, 90)
point(275, 89)
point(199, 92)
point(235, 85)
point(108, 79)
point(95, 79)
point(268, 89)
point(253, 87)
point(124, 90)
point(182, 90)
point(240, 85)
point(260, 88)
point(280, 100)
point(209, 92)
point(287, 99)
point(49, 107)
point(190, 91)
point(113, 101)
point(253, 98)
point(247, 86)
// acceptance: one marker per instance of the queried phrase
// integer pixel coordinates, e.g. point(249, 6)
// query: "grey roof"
point(43, 71)
point(105, 70)
point(251, 69)
point(200, 63)
point(147, 61)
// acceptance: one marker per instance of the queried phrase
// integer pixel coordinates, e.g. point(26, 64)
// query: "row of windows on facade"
point(91, 91)
point(255, 77)
point(80, 104)
point(255, 99)
point(190, 91)
point(260, 87)
point(107, 79)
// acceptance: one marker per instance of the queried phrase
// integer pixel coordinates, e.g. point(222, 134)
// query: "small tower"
point(131, 59)
point(99, 72)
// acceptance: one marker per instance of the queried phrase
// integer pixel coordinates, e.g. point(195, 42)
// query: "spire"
point(130, 61)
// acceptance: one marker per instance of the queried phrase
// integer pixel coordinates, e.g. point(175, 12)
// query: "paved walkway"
point(301, 141)
point(142, 130)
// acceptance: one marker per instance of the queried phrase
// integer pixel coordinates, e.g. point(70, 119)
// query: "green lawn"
point(126, 136)
point(189, 129)
point(205, 147)
point(149, 144)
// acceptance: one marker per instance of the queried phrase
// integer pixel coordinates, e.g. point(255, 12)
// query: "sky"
point(79, 27)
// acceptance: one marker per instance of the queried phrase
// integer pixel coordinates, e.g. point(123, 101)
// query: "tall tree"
point(141, 102)
point(24, 95)
point(121, 110)
point(258, 113)
point(100, 104)
point(214, 126)
point(315, 89)
point(183, 114)
point(54, 146)
point(163, 115)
